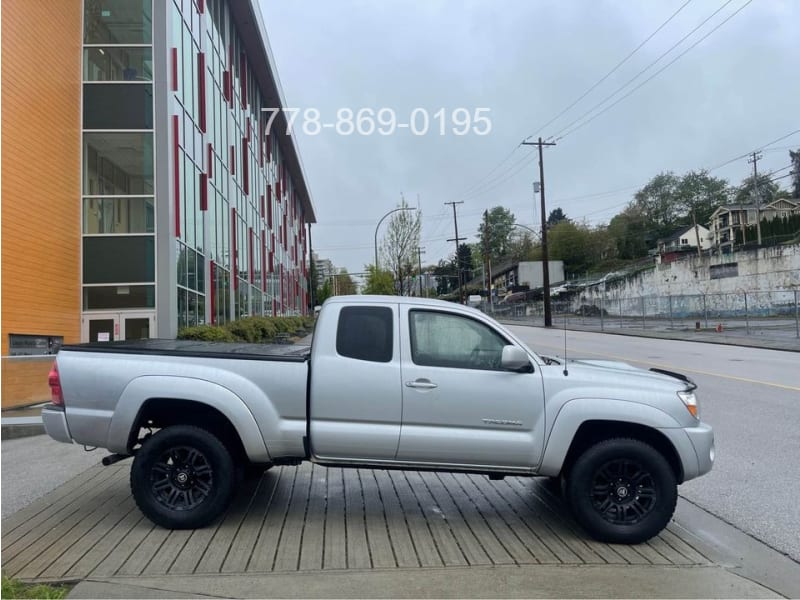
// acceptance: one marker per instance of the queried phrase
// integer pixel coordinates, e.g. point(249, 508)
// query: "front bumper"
point(702, 439)
point(54, 419)
point(695, 448)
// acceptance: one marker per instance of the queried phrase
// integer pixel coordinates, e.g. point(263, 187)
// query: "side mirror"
point(515, 359)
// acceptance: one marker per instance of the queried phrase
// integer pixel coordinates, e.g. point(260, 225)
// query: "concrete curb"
point(20, 427)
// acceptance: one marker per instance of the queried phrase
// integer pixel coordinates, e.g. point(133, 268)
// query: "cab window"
point(440, 339)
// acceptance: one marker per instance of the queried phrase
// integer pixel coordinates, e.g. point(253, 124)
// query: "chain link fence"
point(771, 315)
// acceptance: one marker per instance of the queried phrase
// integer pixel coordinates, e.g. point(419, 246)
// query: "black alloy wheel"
point(183, 477)
point(622, 491)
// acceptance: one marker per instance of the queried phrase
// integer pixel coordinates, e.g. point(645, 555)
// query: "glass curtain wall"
point(238, 225)
point(118, 203)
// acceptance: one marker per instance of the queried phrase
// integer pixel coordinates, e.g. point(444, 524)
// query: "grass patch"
point(16, 589)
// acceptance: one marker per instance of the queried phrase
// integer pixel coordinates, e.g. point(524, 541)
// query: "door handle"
point(424, 384)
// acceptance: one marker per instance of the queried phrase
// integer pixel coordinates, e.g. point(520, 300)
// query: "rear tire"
point(622, 491)
point(183, 477)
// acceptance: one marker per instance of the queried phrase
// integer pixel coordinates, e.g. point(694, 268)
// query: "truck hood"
point(617, 375)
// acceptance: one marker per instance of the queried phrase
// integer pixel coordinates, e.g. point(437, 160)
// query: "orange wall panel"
point(25, 381)
point(41, 72)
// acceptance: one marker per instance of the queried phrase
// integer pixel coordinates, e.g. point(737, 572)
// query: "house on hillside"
point(683, 241)
point(727, 219)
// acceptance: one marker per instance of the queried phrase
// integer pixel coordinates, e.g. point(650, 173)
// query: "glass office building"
point(192, 212)
point(166, 202)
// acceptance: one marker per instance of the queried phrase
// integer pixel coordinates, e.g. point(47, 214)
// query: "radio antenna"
point(566, 372)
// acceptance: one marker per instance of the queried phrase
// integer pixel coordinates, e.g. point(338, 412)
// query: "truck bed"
point(164, 347)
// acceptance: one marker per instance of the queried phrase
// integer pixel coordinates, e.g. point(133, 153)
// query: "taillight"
point(53, 380)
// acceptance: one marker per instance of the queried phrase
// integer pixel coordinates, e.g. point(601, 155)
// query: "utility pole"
point(458, 259)
point(420, 252)
point(696, 233)
point(548, 317)
point(754, 157)
point(487, 259)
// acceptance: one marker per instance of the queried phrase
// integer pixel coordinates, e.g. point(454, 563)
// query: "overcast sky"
point(526, 60)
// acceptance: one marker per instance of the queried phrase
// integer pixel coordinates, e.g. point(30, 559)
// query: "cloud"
point(526, 61)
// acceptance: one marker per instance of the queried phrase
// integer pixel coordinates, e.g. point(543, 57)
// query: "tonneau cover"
point(282, 352)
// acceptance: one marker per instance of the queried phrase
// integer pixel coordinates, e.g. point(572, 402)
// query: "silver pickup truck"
point(388, 383)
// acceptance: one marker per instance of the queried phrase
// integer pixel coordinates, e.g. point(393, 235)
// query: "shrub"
point(244, 330)
point(206, 333)
point(255, 330)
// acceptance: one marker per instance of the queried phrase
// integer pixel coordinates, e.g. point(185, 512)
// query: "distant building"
point(325, 268)
point(727, 219)
point(527, 274)
point(683, 241)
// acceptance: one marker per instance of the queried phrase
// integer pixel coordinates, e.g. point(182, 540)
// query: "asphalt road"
point(752, 399)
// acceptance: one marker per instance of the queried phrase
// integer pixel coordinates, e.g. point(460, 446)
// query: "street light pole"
point(378, 227)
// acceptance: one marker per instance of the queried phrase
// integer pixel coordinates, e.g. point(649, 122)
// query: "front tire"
point(622, 491)
point(183, 477)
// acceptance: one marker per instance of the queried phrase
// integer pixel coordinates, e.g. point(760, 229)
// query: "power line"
point(759, 149)
point(613, 70)
point(497, 166)
point(643, 71)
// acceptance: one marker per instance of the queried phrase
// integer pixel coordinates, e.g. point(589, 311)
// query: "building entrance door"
point(110, 327)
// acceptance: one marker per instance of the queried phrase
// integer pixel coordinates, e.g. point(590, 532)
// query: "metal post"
point(602, 308)
point(619, 298)
point(746, 317)
point(644, 326)
point(669, 299)
point(705, 310)
point(796, 316)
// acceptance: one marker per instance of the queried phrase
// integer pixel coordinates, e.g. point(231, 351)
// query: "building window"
point(118, 296)
point(116, 164)
point(34, 345)
point(117, 106)
point(118, 22)
point(117, 64)
point(118, 259)
point(118, 215)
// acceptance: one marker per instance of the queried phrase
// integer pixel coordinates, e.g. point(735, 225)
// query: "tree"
point(446, 280)
point(324, 292)
point(494, 232)
point(379, 282)
point(627, 230)
point(795, 158)
point(768, 190)
point(580, 247)
point(658, 202)
point(701, 194)
point(667, 201)
point(313, 282)
point(556, 216)
point(400, 244)
point(523, 247)
point(345, 285)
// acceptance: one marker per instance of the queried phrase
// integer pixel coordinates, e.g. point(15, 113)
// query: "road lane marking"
point(674, 367)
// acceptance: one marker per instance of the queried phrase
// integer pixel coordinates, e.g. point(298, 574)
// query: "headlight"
point(690, 400)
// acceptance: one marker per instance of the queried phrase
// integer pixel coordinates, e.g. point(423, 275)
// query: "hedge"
point(256, 330)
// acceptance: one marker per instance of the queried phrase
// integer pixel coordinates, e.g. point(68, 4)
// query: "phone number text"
point(384, 121)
